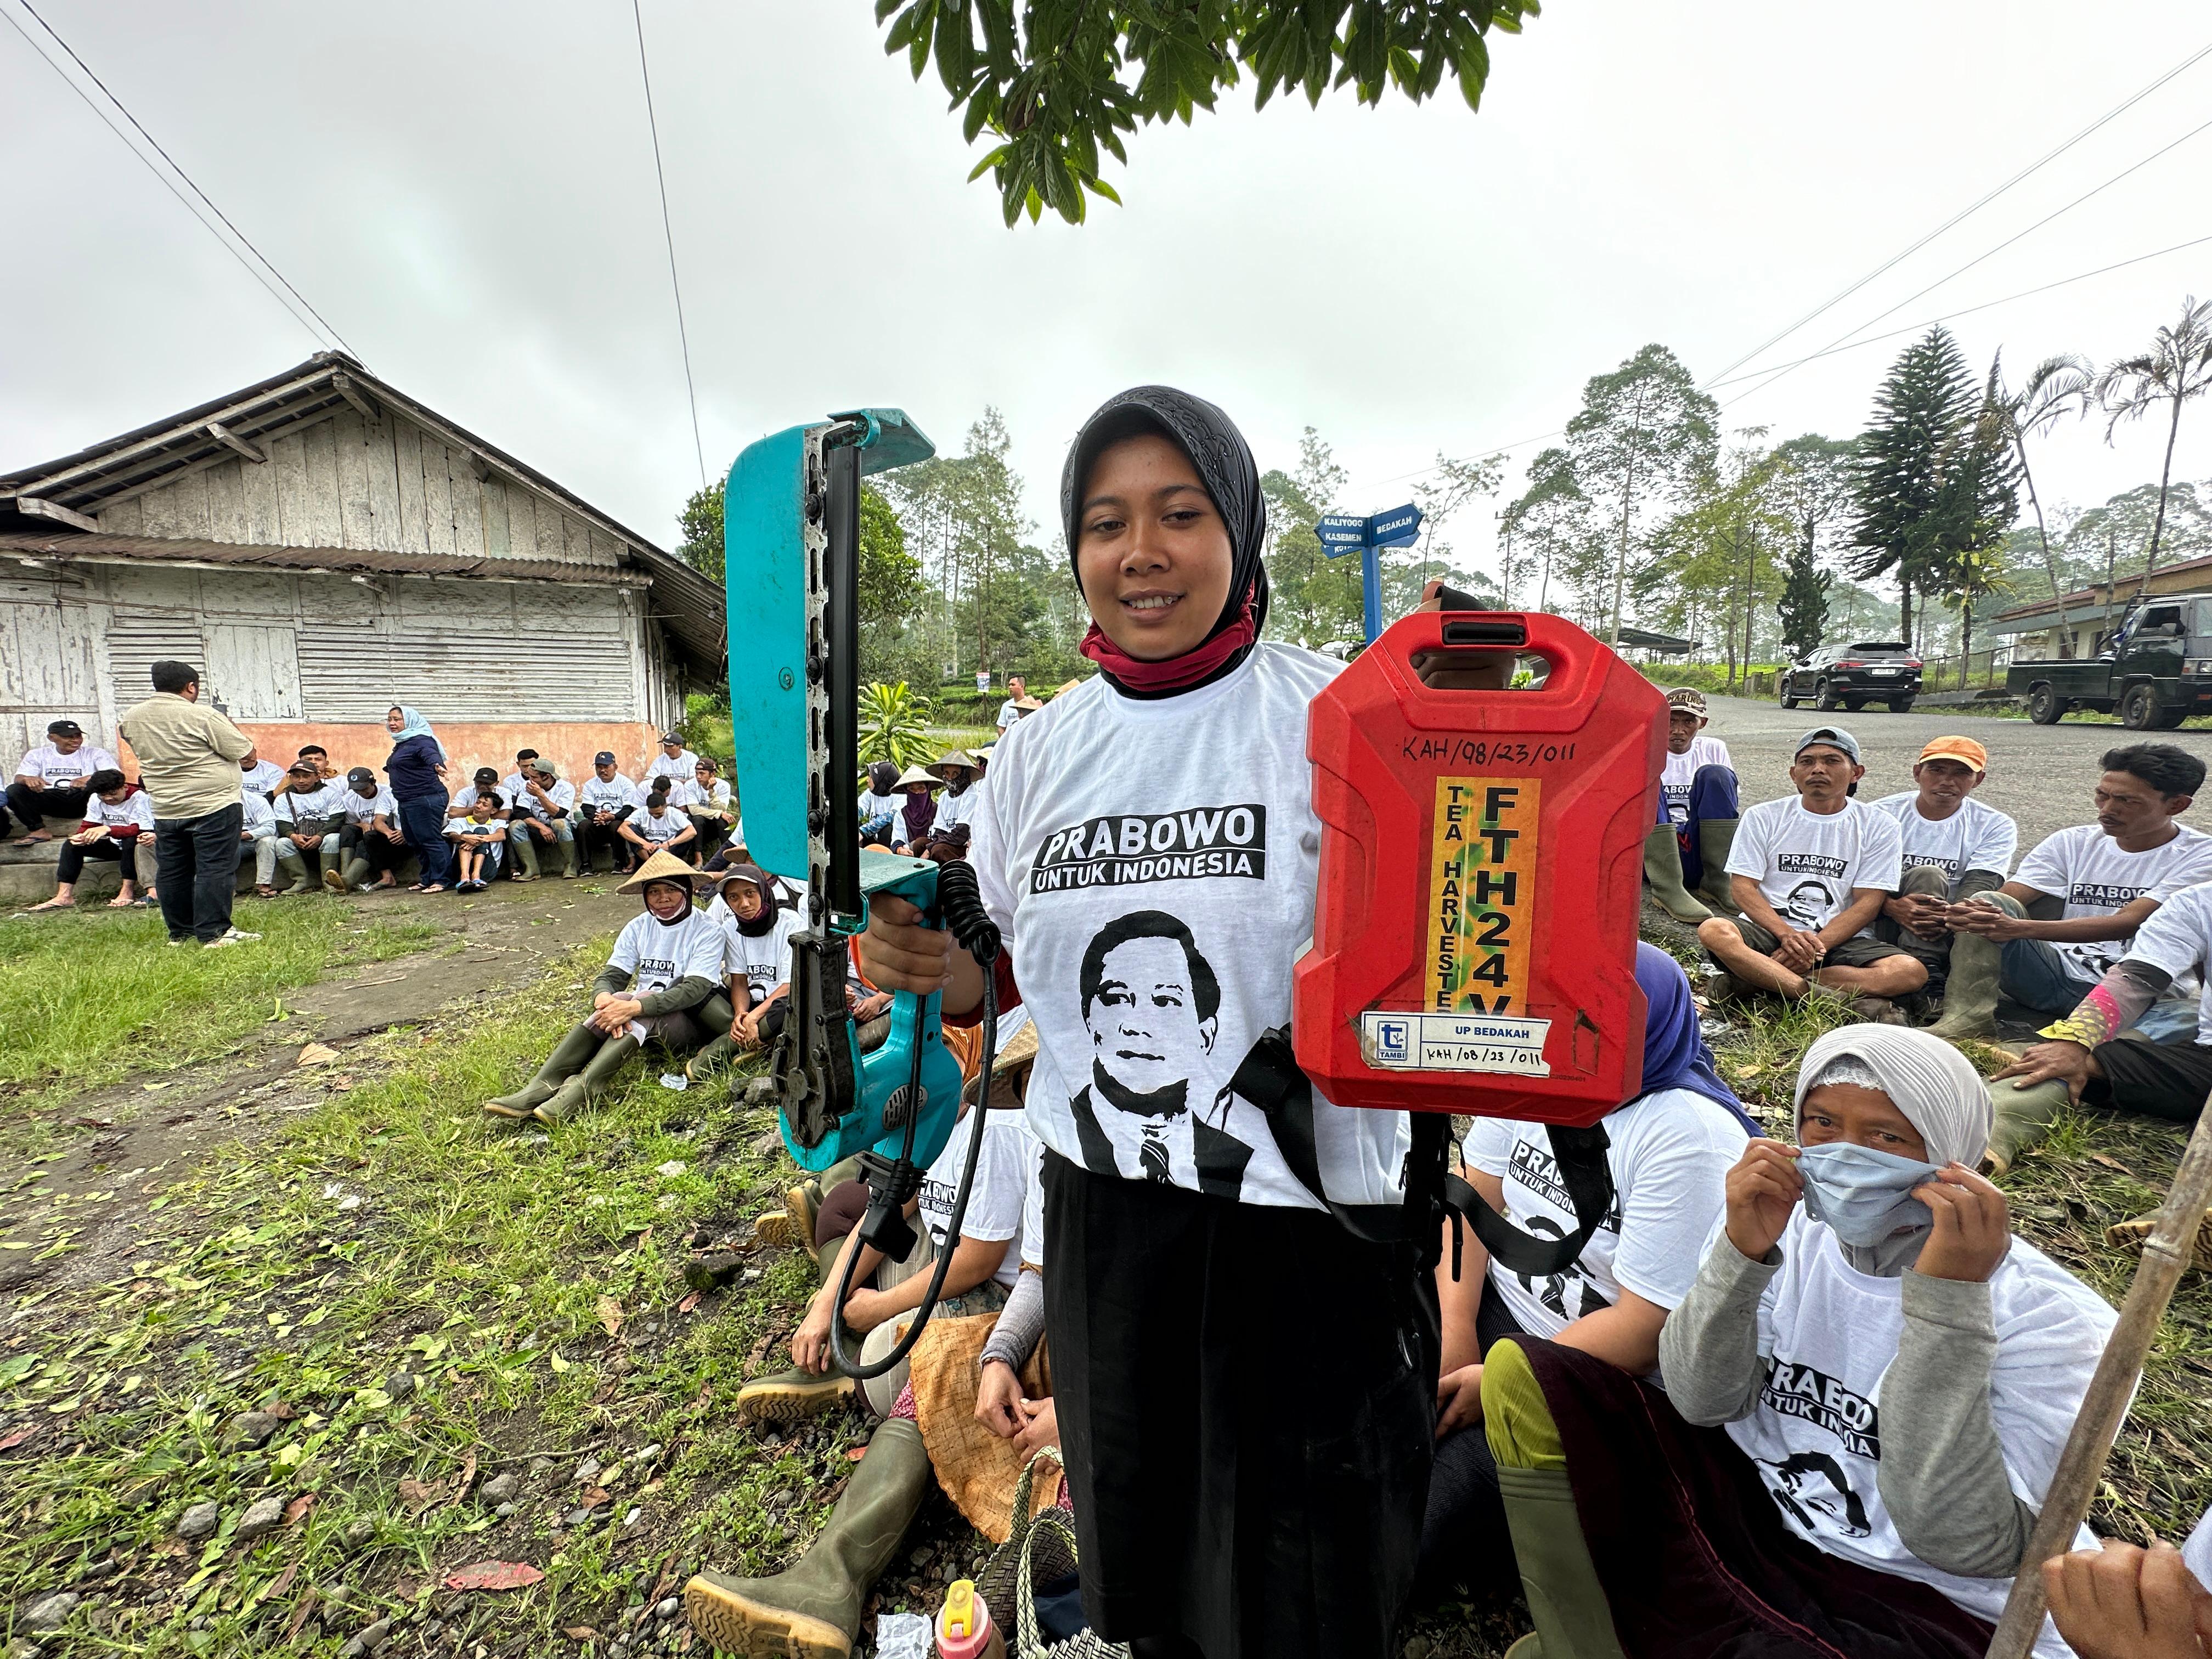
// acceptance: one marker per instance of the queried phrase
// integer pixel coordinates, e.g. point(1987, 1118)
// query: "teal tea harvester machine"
point(791, 551)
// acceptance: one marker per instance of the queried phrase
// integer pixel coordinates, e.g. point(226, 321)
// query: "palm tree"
point(2176, 367)
point(2059, 387)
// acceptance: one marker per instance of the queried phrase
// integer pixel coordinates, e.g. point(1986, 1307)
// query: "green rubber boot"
point(570, 1057)
point(1566, 1599)
point(1662, 873)
point(712, 1060)
point(1970, 993)
point(524, 847)
point(2023, 1117)
point(790, 1396)
point(579, 1091)
point(294, 866)
point(811, 1610)
point(357, 873)
point(1716, 841)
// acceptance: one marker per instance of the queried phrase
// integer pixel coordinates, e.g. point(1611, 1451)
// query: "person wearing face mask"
point(1147, 847)
point(1866, 1394)
point(917, 814)
point(963, 775)
point(666, 963)
point(756, 934)
point(1670, 1149)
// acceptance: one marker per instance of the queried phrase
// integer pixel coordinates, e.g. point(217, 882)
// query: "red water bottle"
point(1481, 857)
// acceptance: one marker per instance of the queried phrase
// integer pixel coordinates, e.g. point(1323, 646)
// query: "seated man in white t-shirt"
point(540, 818)
point(2085, 1057)
point(1686, 855)
point(1810, 873)
point(118, 826)
point(258, 831)
point(708, 806)
point(1955, 847)
point(2110, 877)
point(983, 1268)
point(53, 780)
point(310, 817)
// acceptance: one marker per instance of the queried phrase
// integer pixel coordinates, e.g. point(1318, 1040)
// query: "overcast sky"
point(466, 192)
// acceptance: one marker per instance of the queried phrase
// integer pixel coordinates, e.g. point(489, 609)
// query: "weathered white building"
point(323, 547)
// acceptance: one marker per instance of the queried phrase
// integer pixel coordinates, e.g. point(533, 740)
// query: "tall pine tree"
point(1803, 607)
point(1898, 477)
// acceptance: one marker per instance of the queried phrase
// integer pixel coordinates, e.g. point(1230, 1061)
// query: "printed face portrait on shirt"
point(1809, 902)
point(1812, 1487)
point(1150, 1003)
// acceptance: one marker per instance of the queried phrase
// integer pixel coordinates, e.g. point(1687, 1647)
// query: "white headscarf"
point(1939, 1093)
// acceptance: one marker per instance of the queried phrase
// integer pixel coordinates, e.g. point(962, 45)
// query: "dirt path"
point(70, 1216)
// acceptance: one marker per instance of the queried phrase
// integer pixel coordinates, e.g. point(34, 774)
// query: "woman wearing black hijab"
point(1244, 1386)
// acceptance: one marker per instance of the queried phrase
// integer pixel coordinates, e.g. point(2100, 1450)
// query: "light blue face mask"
point(1866, 1199)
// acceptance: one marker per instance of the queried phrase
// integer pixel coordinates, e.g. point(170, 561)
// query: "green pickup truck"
point(2155, 669)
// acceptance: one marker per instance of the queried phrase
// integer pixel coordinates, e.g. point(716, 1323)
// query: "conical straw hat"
point(661, 867)
point(917, 775)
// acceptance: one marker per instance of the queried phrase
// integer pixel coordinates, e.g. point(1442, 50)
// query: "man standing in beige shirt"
point(188, 763)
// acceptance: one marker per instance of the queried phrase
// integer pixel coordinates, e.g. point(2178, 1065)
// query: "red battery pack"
point(1481, 857)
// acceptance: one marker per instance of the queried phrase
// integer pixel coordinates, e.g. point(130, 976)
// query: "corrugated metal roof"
point(190, 550)
point(2041, 613)
point(691, 605)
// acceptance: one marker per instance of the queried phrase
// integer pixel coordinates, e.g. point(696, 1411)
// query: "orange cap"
point(1958, 749)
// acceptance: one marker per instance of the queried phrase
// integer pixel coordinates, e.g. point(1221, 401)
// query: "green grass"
point(533, 1283)
point(88, 996)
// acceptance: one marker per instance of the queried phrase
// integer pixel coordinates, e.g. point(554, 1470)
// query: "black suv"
point(1852, 676)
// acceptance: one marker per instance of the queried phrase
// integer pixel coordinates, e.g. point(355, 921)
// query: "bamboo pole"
point(2081, 1466)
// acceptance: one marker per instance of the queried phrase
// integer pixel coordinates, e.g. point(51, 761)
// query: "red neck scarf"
point(1141, 678)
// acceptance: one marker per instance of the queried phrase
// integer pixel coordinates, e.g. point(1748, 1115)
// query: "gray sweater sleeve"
point(1021, 1324)
point(1708, 1358)
point(1943, 1473)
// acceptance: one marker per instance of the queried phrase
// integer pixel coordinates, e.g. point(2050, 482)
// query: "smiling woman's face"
point(1152, 553)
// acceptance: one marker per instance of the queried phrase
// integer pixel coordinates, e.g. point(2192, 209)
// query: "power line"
point(139, 126)
point(683, 336)
point(1501, 450)
point(1966, 212)
point(1845, 337)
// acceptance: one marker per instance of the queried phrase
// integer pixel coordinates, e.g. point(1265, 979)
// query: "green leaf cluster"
point(1063, 81)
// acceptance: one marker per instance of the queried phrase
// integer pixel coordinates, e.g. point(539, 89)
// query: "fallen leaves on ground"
point(610, 1315)
point(494, 1576)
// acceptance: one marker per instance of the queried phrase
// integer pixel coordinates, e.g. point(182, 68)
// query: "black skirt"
point(1246, 1396)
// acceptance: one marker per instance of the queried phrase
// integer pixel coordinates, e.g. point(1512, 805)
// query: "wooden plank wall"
point(348, 482)
point(46, 669)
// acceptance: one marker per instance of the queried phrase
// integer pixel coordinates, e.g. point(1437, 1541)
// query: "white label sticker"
point(1454, 1042)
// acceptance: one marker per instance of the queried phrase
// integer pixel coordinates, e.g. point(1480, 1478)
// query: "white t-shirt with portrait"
point(1830, 1333)
point(609, 794)
point(468, 795)
point(1682, 770)
point(1151, 864)
point(2090, 871)
point(260, 816)
point(326, 801)
point(1808, 863)
point(1976, 836)
point(873, 806)
point(134, 811)
point(995, 1201)
point(60, 771)
point(953, 809)
point(364, 809)
point(2178, 937)
point(1669, 1153)
point(559, 792)
point(683, 792)
point(716, 796)
point(657, 953)
point(764, 958)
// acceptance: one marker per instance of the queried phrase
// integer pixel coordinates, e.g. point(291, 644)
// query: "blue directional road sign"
point(1341, 534)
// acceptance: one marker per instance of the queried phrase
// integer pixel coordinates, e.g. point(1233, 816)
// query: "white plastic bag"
point(901, 1636)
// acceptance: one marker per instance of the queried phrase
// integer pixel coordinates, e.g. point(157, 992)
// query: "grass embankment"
point(529, 1285)
point(90, 996)
point(529, 1288)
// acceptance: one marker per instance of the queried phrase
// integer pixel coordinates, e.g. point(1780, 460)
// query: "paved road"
point(2041, 774)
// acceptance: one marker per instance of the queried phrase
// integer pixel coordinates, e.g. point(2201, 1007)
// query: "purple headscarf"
point(1675, 1052)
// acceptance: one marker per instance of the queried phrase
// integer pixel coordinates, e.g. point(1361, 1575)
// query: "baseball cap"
point(1834, 736)
point(670, 736)
point(64, 729)
point(604, 757)
point(1958, 749)
point(1689, 697)
point(544, 768)
point(485, 775)
point(361, 774)
point(305, 768)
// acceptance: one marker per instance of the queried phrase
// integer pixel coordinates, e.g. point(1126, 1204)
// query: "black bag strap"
point(1580, 1155)
point(1270, 1078)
